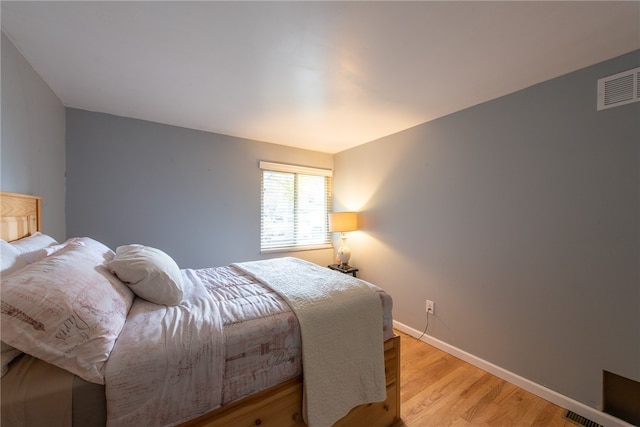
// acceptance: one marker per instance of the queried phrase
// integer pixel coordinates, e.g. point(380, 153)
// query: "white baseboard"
point(528, 385)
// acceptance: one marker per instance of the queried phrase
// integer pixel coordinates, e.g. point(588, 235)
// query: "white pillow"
point(150, 273)
point(31, 247)
point(11, 259)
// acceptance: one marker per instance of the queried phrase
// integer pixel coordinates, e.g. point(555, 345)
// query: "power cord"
point(425, 328)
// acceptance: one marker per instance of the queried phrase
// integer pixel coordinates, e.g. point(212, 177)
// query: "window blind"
point(296, 201)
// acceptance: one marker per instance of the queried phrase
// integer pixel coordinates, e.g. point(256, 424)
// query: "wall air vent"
point(619, 89)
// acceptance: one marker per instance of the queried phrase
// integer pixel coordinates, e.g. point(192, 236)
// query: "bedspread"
point(244, 331)
point(262, 335)
point(167, 363)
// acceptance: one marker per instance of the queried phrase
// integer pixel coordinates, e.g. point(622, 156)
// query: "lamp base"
point(344, 254)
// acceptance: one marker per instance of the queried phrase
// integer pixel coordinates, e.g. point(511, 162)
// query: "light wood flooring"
point(437, 389)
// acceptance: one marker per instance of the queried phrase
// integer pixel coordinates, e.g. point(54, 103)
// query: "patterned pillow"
point(67, 309)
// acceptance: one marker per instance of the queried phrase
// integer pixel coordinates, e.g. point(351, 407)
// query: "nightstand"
point(347, 270)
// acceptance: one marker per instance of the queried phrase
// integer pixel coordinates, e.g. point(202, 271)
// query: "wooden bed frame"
point(278, 406)
point(21, 215)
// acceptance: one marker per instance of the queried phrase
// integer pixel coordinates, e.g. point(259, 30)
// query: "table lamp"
point(343, 222)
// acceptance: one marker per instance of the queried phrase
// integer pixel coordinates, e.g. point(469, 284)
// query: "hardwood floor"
point(437, 389)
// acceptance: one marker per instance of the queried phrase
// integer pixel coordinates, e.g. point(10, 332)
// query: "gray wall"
point(32, 138)
point(520, 219)
point(194, 194)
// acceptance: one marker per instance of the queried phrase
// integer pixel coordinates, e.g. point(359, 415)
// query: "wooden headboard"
point(20, 215)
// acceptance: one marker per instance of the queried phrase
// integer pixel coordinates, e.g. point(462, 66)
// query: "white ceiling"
point(325, 76)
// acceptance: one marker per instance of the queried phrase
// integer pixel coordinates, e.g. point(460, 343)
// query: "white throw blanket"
point(341, 326)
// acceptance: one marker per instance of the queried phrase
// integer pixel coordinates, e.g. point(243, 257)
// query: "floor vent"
point(619, 89)
point(580, 420)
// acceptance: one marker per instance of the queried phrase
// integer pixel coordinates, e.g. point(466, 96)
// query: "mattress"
point(261, 349)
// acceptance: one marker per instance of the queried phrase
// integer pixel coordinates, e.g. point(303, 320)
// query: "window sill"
point(297, 248)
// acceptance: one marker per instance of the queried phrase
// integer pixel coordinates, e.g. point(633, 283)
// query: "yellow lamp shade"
point(343, 221)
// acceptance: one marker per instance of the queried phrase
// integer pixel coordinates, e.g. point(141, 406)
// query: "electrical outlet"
point(430, 307)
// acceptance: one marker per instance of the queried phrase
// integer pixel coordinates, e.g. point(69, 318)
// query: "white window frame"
point(293, 245)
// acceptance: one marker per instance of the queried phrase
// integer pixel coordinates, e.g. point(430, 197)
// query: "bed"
point(259, 382)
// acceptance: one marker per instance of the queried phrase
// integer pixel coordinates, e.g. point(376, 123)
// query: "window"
point(296, 202)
